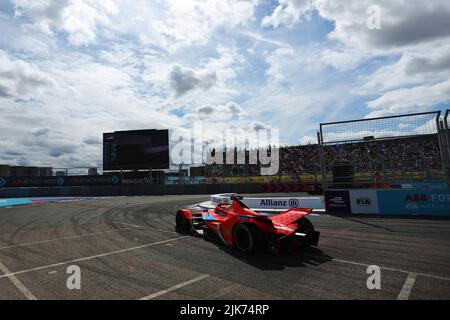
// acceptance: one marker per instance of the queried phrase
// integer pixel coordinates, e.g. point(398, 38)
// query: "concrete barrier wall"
point(129, 190)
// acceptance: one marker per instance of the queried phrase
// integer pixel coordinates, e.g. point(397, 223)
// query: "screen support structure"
point(150, 173)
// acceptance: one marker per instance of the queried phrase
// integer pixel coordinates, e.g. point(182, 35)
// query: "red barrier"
point(290, 187)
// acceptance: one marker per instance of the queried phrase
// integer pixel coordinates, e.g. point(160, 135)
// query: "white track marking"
point(384, 268)
point(407, 287)
point(178, 286)
point(144, 227)
point(90, 257)
point(59, 239)
point(19, 285)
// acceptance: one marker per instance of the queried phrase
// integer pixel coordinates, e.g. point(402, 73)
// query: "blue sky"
point(70, 70)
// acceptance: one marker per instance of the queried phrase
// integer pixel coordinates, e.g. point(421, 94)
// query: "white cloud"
point(305, 140)
point(418, 32)
point(187, 85)
point(215, 113)
point(88, 99)
point(432, 65)
point(21, 79)
point(403, 23)
point(416, 99)
point(288, 12)
point(189, 22)
point(258, 37)
point(80, 19)
point(280, 63)
point(183, 80)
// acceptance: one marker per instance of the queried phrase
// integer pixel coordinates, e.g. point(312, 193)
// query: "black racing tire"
point(247, 238)
point(273, 246)
point(304, 226)
point(207, 234)
point(182, 224)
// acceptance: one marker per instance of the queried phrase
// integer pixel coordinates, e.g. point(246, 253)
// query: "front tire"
point(247, 238)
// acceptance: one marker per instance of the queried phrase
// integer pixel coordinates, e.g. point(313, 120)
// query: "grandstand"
point(388, 150)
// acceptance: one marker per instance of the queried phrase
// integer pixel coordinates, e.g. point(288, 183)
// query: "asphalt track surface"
point(127, 248)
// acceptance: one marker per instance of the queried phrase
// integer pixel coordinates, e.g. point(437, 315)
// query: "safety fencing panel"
point(382, 152)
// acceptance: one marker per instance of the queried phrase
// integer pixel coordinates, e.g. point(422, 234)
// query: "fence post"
point(442, 148)
point(447, 135)
point(322, 160)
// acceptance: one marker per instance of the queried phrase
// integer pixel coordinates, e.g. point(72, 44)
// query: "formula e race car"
point(236, 225)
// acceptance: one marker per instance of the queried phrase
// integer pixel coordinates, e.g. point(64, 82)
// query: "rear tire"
point(182, 224)
point(247, 238)
point(273, 245)
point(304, 226)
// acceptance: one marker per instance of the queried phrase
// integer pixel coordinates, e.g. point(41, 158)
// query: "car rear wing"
point(269, 203)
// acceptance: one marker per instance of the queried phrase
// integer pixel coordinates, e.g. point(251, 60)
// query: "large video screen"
point(137, 149)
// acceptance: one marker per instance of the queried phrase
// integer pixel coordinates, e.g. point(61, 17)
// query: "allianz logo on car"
point(293, 203)
point(217, 199)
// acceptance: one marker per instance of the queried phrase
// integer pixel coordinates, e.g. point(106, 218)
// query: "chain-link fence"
point(383, 152)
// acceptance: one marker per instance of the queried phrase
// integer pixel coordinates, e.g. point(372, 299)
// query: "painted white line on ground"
point(178, 286)
point(19, 285)
point(90, 257)
point(384, 268)
point(144, 227)
point(407, 287)
point(59, 239)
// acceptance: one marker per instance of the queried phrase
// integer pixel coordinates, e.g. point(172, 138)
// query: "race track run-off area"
point(127, 248)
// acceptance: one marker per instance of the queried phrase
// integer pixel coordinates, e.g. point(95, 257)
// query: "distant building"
point(45, 171)
point(21, 171)
point(4, 170)
point(60, 173)
point(92, 171)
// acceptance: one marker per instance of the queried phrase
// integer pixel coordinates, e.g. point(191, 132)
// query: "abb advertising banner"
point(415, 202)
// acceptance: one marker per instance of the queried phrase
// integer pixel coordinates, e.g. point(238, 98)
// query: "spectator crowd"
point(401, 155)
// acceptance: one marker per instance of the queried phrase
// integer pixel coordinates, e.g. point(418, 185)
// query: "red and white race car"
point(236, 225)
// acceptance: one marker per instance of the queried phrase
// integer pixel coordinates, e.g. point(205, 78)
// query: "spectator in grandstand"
point(392, 156)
